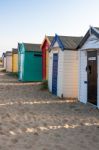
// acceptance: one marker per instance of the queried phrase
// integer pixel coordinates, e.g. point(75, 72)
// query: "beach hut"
point(4, 60)
point(45, 62)
point(89, 67)
point(14, 60)
point(9, 61)
point(30, 62)
point(63, 66)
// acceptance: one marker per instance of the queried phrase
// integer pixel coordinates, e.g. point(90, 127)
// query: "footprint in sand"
point(98, 127)
point(14, 141)
point(36, 133)
point(45, 124)
point(57, 135)
point(2, 133)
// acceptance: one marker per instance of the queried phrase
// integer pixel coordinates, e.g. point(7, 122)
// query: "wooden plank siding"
point(67, 73)
point(82, 76)
point(14, 63)
point(4, 63)
point(70, 74)
point(30, 62)
point(60, 72)
point(9, 63)
point(45, 56)
point(47, 64)
point(50, 71)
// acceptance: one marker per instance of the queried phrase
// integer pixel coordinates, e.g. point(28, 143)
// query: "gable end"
point(56, 39)
point(90, 31)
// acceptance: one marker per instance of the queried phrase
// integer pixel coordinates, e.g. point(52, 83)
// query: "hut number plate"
point(92, 58)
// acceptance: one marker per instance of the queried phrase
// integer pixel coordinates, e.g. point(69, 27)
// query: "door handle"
point(85, 82)
point(88, 69)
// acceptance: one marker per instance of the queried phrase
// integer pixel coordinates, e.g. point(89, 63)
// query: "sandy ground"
point(32, 119)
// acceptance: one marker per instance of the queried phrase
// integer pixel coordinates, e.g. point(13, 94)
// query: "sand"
point(32, 119)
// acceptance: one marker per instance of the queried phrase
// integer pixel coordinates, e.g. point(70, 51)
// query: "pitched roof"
point(97, 28)
point(8, 53)
point(90, 31)
point(50, 38)
point(70, 42)
point(66, 42)
point(14, 51)
point(32, 47)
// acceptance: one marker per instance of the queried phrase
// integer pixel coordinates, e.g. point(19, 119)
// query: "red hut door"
point(44, 49)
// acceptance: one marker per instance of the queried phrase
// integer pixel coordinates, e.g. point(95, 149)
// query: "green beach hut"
point(29, 62)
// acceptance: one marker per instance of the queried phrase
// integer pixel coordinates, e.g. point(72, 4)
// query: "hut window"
point(38, 55)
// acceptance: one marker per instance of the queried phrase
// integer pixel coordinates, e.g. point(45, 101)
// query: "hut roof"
point(14, 51)
point(92, 30)
point(97, 28)
point(50, 38)
point(70, 42)
point(32, 47)
point(66, 42)
point(8, 53)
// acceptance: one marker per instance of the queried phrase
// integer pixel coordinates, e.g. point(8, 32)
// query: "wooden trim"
point(46, 38)
point(90, 31)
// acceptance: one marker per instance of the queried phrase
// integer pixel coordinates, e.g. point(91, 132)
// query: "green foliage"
point(44, 85)
point(13, 74)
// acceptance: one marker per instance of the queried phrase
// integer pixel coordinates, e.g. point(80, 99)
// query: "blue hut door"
point(54, 74)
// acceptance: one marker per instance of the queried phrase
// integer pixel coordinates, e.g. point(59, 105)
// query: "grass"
point(44, 85)
point(13, 74)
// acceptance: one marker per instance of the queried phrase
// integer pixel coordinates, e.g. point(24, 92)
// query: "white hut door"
point(92, 76)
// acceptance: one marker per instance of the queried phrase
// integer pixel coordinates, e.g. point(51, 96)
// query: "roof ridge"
point(32, 43)
point(70, 36)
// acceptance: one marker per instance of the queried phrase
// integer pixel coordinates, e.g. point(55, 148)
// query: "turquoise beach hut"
point(29, 62)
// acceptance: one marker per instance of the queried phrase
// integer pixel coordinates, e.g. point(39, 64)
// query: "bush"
point(44, 85)
point(12, 74)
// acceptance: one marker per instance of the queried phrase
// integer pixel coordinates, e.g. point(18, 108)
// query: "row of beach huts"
point(70, 64)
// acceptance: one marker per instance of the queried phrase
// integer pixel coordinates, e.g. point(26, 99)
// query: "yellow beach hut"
point(14, 60)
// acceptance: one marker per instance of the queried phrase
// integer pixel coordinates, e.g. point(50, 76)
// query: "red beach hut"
point(45, 61)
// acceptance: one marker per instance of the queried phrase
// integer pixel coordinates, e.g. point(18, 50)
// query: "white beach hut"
point(63, 66)
point(9, 61)
point(89, 67)
point(4, 60)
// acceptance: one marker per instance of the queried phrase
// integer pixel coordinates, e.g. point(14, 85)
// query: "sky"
point(30, 20)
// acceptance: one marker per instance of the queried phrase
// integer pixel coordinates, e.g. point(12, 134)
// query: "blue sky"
point(30, 20)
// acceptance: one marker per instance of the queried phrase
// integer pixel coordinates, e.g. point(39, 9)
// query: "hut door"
point(92, 76)
point(54, 74)
point(21, 66)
